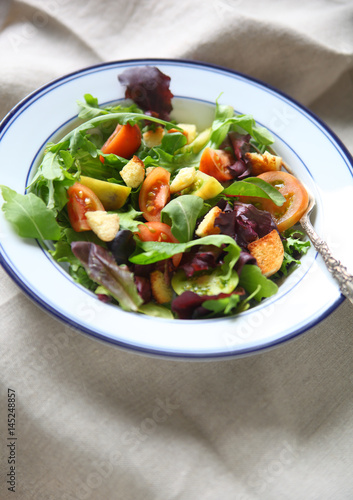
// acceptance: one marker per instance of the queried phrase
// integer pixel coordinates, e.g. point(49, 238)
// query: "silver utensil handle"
point(339, 272)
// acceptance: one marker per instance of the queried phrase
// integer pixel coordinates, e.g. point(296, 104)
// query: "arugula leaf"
point(90, 108)
point(223, 111)
point(62, 253)
point(52, 171)
point(294, 243)
point(148, 252)
point(273, 193)
point(220, 126)
point(79, 141)
point(128, 219)
point(181, 214)
point(251, 278)
point(113, 161)
point(225, 119)
point(79, 274)
point(92, 167)
point(51, 167)
point(29, 215)
point(173, 141)
point(223, 306)
point(122, 117)
point(294, 248)
point(253, 186)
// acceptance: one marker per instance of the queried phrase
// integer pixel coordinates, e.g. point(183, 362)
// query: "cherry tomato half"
point(124, 141)
point(154, 194)
point(215, 162)
point(159, 231)
point(156, 231)
point(81, 200)
point(296, 199)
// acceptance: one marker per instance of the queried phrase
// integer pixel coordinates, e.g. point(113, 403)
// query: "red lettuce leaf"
point(245, 223)
point(143, 286)
point(240, 144)
point(201, 259)
point(188, 305)
point(148, 87)
point(244, 258)
point(101, 267)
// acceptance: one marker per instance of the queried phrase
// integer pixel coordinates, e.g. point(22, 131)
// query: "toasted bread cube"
point(133, 173)
point(268, 252)
point(149, 170)
point(189, 130)
point(264, 163)
point(184, 178)
point(104, 225)
point(161, 290)
point(153, 138)
point(207, 226)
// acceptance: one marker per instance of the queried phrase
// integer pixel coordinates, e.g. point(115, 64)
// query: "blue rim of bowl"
point(162, 352)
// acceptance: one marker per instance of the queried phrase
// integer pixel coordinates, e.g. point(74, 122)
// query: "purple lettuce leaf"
point(143, 286)
point(244, 258)
point(240, 169)
point(245, 223)
point(240, 143)
point(148, 87)
point(188, 305)
point(201, 259)
point(101, 267)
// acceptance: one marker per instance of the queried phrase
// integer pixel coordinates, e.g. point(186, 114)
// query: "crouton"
point(264, 163)
point(184, 178)
point(153, 138)
point(189, 130)
point(207, 226)
point(149, 170)
point(104, 225)
point(133, 173)
point(268, 252)
point(161, 290)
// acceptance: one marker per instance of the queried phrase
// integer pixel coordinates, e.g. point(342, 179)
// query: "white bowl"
point(314, 153)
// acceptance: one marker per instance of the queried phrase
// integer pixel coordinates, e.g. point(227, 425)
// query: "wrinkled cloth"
point(95, 422)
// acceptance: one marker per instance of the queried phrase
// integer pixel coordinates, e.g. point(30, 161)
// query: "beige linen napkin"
point(94, 422)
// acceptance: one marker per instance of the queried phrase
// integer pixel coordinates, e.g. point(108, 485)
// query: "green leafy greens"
point(29, 215)
point(181, 214)
point(42, 213)
point(253, 186)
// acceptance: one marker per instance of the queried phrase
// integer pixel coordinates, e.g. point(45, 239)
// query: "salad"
point(159, 218)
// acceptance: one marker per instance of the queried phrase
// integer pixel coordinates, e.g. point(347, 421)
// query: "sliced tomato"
point(215, 162)
point(159, 231)
point(156, 231)
point(81, 200)
point(296, 199)
point(154, 194)
point(124, 141)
